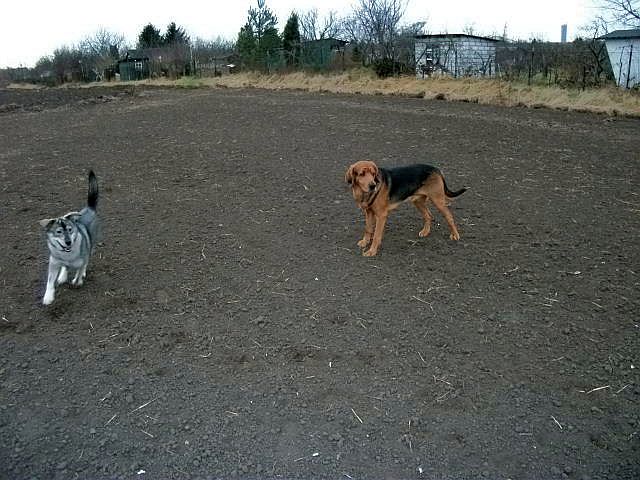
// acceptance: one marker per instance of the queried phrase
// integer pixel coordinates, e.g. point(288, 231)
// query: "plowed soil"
point(230, 327)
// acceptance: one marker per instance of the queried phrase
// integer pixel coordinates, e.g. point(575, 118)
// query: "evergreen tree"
point(149, 37)
point(175, 35)
point(291, 40)
point(262, 20)
point(268, 47)
point(246, 45)
point(261, 29)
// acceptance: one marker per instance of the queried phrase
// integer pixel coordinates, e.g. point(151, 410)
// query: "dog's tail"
point(92, 196)
point(451, 194)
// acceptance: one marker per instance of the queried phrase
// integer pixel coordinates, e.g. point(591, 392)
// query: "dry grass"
point(609, 100)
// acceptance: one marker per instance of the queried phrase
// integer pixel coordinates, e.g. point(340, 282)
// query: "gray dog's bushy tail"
point(92, 197)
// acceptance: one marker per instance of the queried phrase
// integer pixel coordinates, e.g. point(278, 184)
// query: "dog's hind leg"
point(441, 204)
point(421, 204)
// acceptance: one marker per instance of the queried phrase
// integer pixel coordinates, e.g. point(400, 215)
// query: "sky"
point(32, 29)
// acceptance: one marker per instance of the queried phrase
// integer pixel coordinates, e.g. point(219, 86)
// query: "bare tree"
point(376, 21)
point(314, 28)
point(621, 12)
point(469, 28)
point(66, 64)
point(102, 43)
point(211, 56)
point(599, 60)
point(101, 50)
point(406, 43)
point(218, 47)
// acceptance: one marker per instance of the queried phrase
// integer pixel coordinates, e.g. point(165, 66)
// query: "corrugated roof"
point(633, 33)
point(457, 35)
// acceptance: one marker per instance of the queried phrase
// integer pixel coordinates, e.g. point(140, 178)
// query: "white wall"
point(457, 56)
point(619, 50)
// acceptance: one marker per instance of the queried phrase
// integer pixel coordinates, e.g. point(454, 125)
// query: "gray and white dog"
point(71, 240)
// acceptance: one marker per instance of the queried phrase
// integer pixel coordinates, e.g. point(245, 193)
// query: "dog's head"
point(62, 232)
point(363, 176)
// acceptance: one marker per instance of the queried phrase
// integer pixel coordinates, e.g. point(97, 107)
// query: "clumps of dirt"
point(14, 100)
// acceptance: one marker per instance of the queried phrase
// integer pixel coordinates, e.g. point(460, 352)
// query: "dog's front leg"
point(381, 221)
point(369, 224)
point(62, 276)
point(50, 292)
point(81, 273)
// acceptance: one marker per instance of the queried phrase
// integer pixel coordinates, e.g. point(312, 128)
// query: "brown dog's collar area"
point(370, 197)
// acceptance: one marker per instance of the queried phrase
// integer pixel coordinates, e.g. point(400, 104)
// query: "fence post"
point(533, 49)
point(629, 65)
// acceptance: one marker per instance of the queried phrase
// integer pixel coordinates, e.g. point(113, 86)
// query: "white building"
point(458, 55)
point(623, 47)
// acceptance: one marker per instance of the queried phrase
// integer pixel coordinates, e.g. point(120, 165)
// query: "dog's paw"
point(77, 282)
point(48, 299)
point(370, 253)
point(424, 232)
point(454, 236)
point(363, 243)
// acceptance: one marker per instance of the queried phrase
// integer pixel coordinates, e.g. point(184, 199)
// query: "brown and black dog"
point(378, 191)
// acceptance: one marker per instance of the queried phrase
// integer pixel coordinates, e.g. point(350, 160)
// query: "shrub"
point(387, 67)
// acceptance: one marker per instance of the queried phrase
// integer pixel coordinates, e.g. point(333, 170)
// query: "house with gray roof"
point(623, 48)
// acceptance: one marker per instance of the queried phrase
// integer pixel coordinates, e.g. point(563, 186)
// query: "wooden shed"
point(458, 55)
point(322, 53)
point(623, 48)
point(135, 65)
point(169, 61)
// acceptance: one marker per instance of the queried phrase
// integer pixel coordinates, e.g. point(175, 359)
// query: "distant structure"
point(321, 54)
point(135, 64)
point(623, 48)
point(171, 61)
point(563, 33)
point(456, 54)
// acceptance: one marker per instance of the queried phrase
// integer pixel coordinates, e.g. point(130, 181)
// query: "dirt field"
point(230, 326)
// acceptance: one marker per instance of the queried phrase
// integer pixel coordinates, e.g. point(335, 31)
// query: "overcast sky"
point(32, 29)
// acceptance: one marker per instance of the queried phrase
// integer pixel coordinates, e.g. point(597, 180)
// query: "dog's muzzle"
point(64, 247)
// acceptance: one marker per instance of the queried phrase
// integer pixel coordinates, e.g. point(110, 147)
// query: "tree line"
point(372, 30)
point(375, 34)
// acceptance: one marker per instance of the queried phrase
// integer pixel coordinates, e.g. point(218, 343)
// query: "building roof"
point(135, 54)
point(633, 33)
point(458, 35)
point(334, 42)
point(145, 53)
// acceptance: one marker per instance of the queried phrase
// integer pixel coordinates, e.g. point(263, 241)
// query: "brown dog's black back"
point(404, 181)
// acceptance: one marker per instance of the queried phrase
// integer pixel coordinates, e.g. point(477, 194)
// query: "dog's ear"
point(348, 177)
point(73, 216)
point(373, 168)
point(378, 175)
point(47, 222)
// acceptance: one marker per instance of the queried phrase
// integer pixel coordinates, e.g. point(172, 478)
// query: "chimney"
point(563, 33)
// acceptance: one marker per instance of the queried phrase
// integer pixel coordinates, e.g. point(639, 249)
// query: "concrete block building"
point(458, 55)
